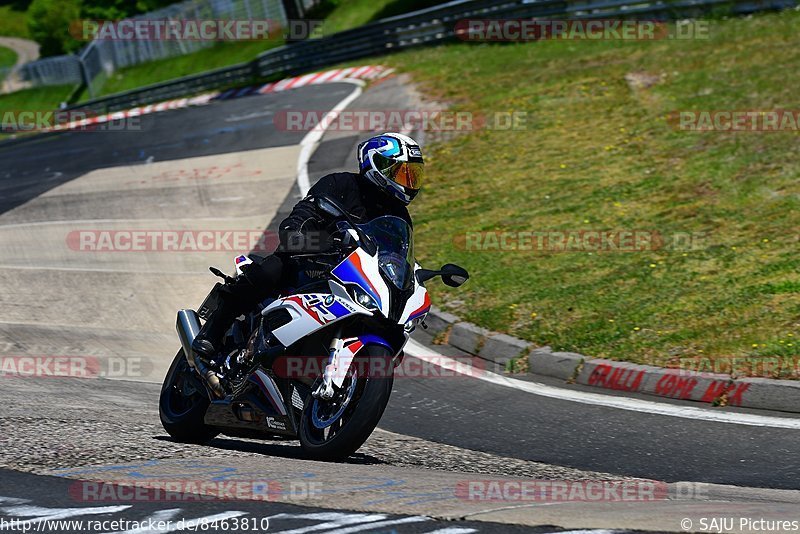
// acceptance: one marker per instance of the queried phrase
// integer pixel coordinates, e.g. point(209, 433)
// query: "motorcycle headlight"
point(363, 298)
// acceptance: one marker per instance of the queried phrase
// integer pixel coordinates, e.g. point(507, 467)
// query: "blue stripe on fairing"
point(348, 273)
point(338, 310)
point(421, 312)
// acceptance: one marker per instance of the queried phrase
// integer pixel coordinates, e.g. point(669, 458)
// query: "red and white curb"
point(619, 377)
point(368, 72)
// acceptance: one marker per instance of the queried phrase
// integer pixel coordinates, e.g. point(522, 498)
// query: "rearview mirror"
point(453, 275)
point(328, 207)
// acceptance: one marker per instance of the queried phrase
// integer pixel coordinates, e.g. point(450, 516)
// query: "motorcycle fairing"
point(310, 312)
point(346, 350)
point(269, 389)
point(361, 269)
point(417, 306)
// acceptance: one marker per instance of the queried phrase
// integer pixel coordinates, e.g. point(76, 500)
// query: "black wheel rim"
point(327, 418)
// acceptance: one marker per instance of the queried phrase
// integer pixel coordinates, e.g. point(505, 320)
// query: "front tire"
point(183, 403)
point(361, 415)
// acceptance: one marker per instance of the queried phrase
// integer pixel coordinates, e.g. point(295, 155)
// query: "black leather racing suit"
point(304, 230)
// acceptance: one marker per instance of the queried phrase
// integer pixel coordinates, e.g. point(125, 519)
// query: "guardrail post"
point(85, 77)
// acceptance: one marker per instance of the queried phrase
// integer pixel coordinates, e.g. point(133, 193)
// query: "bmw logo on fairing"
point(328, 300)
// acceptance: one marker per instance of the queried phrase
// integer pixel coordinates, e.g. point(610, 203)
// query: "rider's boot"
point(208, 342)
point(258, 281)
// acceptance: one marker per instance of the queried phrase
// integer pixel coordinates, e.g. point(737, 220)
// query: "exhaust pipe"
point(188, 326)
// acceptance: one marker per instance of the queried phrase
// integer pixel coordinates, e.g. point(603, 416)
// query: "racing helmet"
point(393, 162)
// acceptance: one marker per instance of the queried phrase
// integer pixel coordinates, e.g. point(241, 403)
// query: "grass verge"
point(7, 57)
point(40, 98)
point(340, 15)
point(13, 22)
point(219, 55)
point(598, 154)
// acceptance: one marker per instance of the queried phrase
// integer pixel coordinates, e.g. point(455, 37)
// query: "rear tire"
point(182, 415)
point(362, 414)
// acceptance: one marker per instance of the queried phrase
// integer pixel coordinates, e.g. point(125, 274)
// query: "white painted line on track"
point(311, 139)
point(379, 524)
point(200, 524)
point(330, 520)
point(417, 350)
point(40, 514)
point(453, 530)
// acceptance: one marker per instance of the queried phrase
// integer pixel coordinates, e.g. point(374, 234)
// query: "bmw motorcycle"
point(317, 363)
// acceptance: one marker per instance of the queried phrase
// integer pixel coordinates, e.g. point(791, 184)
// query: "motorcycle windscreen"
point(394, 240)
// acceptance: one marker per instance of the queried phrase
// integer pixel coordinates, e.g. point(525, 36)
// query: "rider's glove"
point(294, 242)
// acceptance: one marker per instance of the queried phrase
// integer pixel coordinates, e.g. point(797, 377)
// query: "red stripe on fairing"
point(355, 346)
point(299, 302)
point(356, 259)
point(426, 304)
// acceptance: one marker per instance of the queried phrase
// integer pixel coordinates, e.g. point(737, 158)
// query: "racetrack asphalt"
point(465, 416)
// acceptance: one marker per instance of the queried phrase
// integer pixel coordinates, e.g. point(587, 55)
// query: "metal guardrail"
point(425, 27)
point(101, 57)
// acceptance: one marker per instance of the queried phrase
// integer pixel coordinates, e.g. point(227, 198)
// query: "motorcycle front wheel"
point(333, 430)
point(183, 403)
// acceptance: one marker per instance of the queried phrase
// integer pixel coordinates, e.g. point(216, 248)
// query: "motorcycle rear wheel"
point(183, 403)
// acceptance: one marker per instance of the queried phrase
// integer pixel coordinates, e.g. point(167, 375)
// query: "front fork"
point(335, 371)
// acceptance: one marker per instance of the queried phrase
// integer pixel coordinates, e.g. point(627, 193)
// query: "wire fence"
point(421, 28)
point(101, 57)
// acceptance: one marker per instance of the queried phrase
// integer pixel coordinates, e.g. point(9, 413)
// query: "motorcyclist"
point(389, 177)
